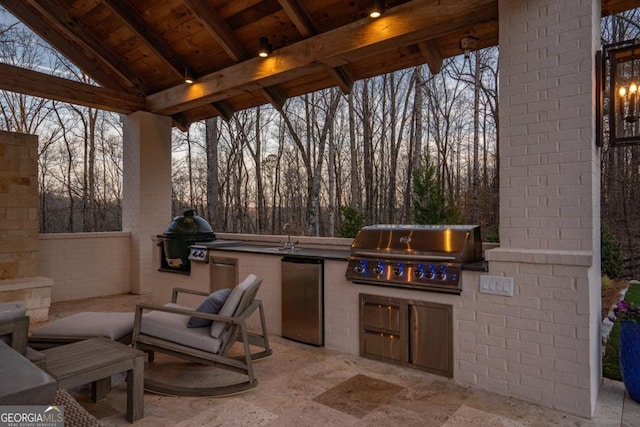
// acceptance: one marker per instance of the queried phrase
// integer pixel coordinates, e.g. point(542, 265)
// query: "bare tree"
point(212, 139)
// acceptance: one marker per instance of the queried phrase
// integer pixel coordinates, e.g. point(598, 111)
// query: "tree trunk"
point(212, 139)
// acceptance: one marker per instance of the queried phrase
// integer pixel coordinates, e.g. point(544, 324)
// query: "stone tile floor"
point(301, 385)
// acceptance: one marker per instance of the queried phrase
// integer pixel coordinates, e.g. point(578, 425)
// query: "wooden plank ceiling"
point(137, 51)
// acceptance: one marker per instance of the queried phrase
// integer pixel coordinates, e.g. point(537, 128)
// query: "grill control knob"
point(377, 270)
point(358, 269)
point(397, 271)
point(419, 274)
point(429, 274)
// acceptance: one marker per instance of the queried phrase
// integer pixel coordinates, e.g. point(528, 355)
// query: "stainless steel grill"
point(429, 257)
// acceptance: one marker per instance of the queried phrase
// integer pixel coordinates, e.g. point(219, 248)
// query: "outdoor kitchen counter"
point(333, 254)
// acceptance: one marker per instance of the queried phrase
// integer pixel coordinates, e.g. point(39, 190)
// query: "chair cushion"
point(11, 310)
point(112, 325)
point(212, 305)
point(231, 305)
point(173, 327)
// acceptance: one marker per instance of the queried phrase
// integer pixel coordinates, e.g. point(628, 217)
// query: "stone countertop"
point(237, 246)
point(323, 253)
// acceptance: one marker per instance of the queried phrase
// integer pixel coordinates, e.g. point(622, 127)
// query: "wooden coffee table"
point(95, 361)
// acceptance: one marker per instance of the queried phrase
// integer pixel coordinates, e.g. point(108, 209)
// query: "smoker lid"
point(457, 243)
point(189, 225)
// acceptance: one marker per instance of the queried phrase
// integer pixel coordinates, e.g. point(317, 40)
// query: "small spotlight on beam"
point(265, 47)
point(376, 8)
point(189, 75)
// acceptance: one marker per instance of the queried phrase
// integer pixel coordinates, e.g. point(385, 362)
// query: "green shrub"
point(611, 254)
point(352, 222)
point(430, 203)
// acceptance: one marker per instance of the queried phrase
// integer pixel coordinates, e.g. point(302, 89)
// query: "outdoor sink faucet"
point(288, 244)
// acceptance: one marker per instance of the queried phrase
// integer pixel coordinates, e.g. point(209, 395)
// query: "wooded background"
point(406, 147)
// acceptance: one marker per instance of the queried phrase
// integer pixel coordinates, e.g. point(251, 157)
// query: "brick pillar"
point(146, 209)
point(549, 205)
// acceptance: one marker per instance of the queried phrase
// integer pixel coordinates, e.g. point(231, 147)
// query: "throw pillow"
point(211, 305)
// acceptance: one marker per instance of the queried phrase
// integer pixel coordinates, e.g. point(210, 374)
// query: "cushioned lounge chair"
point(165, 330)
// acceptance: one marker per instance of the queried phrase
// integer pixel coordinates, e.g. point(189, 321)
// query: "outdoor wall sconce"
point(189, 75)
point(376, 8)
point(619, 74)
point(265, 47)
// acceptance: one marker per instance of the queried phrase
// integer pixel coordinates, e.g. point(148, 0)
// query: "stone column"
point(146, 208)
point(19, 280)
point(549, 205)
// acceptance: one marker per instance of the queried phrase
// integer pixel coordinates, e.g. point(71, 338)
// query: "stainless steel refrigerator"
point(303, 299)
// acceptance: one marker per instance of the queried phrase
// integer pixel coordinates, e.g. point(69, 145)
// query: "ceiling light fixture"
point(189, 75)
point(265, 48)
point(376, 8)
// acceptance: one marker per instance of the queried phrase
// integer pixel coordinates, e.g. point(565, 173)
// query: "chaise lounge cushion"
point(212, 305)
point(112, 325)
point(231, 305)
point(173, 327)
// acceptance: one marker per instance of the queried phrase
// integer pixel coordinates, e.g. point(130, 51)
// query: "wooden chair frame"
point(18, 330)
point(241, 363)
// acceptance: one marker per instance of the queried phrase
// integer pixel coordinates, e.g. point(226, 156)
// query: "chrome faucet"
point(288, 244)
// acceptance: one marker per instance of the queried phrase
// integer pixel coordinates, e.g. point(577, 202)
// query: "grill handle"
point(375, 254)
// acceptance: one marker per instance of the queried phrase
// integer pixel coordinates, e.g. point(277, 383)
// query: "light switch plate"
point(496, 285)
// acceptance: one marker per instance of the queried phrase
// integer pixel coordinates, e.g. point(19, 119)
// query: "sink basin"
point(283, 249)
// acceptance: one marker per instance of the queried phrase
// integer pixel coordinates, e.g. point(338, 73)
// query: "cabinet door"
point(223, 273)
point(430, 338)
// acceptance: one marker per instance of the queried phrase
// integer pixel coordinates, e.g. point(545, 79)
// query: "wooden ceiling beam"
point(222, 33)
point(42, 85)
point(134, 21)
point(275, 97)
point(400, 26)
point(95, 67)
point(305, 26)
point(67, 25)
point(223, 109)
point(432, 54)
point(218, 29)
point(299, 16)
point(610, 7)
point(343, 78)
point(181, 121)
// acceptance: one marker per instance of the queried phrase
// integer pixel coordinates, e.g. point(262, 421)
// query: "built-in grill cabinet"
point(417, 334)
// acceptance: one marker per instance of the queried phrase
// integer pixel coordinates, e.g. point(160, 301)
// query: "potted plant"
point(629, 317)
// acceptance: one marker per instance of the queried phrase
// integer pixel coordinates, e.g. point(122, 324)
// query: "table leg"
point(100, 389)
point(135, 390)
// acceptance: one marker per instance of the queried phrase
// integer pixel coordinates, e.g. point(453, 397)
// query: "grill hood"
point(453, 243)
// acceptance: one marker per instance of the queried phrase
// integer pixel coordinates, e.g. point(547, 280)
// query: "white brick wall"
point(549, 201)
point(547, 124)
point(544, 327)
